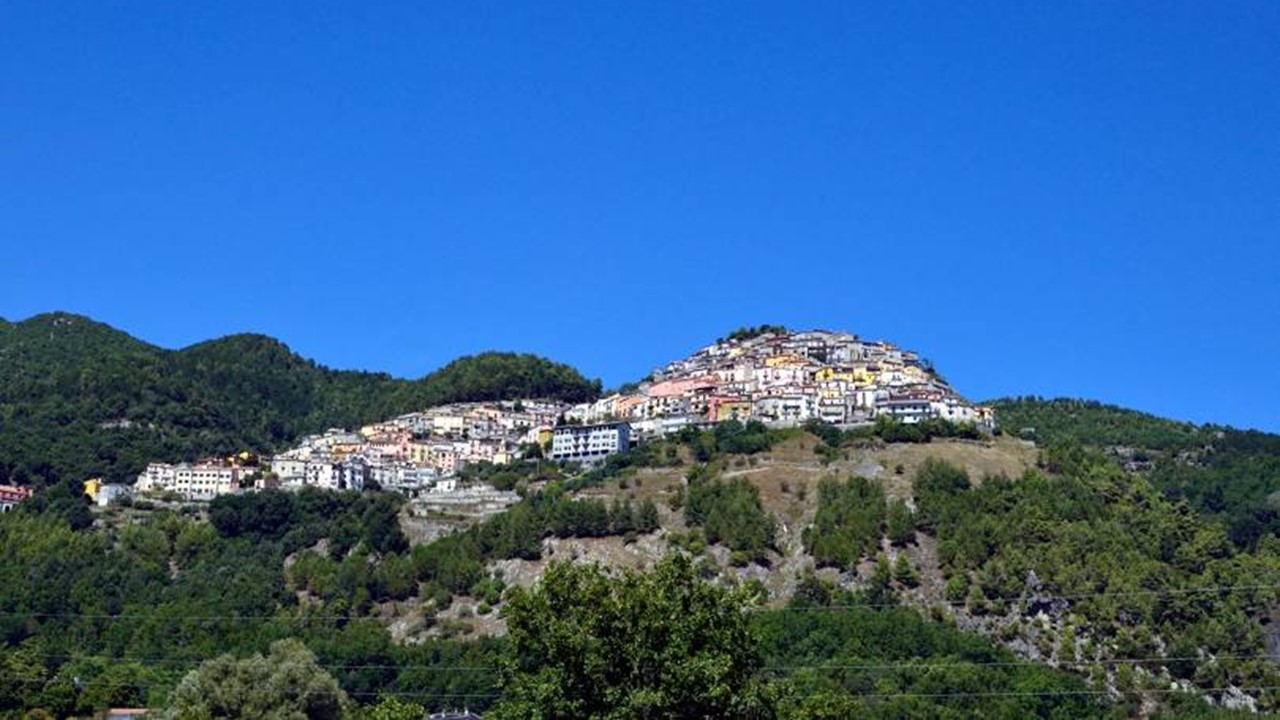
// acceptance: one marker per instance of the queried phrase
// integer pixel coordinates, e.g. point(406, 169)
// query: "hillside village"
point(770, 375)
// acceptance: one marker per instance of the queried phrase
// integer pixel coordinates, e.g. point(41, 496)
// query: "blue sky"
point(1063, 199)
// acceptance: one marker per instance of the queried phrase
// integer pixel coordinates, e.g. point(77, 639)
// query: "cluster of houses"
point(788, 378)
point(779, 378)
point(414, 453)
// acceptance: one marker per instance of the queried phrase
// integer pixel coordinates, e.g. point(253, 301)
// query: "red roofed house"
point(10, 496)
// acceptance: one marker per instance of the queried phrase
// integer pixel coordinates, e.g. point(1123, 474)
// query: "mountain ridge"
point(79, 397)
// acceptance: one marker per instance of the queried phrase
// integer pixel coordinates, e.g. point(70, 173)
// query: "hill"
point(80, 398)
point(925, 579)
point(1229, 474)
point(887, 573)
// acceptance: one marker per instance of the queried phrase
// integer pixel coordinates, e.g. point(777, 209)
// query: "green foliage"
point(284, 685)
point(729, 437)
point(900, 523)
point(892, 663)
point(511, 475)
point(173, 591)
point(730, 512)
point(904, 572)
point(1135, 562)
point(79, 399)
point(659, 644)
point(749, 332)
point(888, 430)
point(502, 376)
point(302, 518)
point(389, 708)
point(1094, 423)
point(848, 523)
point(1229, 475)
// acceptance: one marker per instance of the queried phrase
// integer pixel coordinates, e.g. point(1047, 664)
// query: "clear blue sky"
point(1076, 198)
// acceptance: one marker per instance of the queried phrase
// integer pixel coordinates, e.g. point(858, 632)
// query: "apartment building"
point(590, 443)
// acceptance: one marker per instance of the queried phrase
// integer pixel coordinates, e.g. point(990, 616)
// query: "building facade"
point(589, 443)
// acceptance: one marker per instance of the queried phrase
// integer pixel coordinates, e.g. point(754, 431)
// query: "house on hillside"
point(590, 443)
point(11, 495)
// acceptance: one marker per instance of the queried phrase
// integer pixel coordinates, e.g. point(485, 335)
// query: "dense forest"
point(1230, 474)
point(79, 398)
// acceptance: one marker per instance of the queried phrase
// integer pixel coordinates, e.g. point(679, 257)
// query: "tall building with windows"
point(590, 443)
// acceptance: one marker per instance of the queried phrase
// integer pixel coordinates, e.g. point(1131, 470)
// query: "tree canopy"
point(663, 644)
point(286, 684)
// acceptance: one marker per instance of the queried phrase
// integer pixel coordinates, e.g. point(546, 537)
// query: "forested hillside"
point(79, 398)
point(1074, 590)
point(1229, 474)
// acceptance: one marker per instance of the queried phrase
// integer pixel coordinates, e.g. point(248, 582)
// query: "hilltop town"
point(768, 374)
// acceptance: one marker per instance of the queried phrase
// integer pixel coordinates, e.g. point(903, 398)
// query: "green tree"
point(848, 523)
point(287, 684)
point(904, 572)
point(900, 523)
point(390, 708)
point(584, 644)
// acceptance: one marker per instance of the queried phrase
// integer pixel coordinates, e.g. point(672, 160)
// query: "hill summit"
point(782, 377)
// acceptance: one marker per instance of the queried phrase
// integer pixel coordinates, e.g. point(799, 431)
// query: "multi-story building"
point(203, 480)
point(590, 443)
point(291, 469)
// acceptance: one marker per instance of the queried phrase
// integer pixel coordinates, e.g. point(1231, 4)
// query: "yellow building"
point(419, 453)
point(91, 488)
point(827, 374)
point(784, 360)
point(341, 450)
point(733, 410)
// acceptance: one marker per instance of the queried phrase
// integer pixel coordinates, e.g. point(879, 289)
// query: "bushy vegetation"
point(658, 644)
point(754, 331)
point(1093, 423)
point(667, 644)
point(883, 662)
point(1230, 475)
point(729, 438)
point(729, 512)
point(849, 522)
point(301, 519)
point(117, 617)
point(889, 430)
point(1143, 573)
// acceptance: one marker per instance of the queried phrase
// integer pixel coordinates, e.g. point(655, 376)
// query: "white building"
point(589, 443)
point(157, 476)
point(291, 469)
point(908, 410)
point(201, 481)
point(789, 409)
point(321, 474)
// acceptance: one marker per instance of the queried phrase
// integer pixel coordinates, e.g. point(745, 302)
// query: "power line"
point(1039, 599)
point(189, 662)
point(903, 665)
point(856, 695)
point(811, 608)
point(1015, 663)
